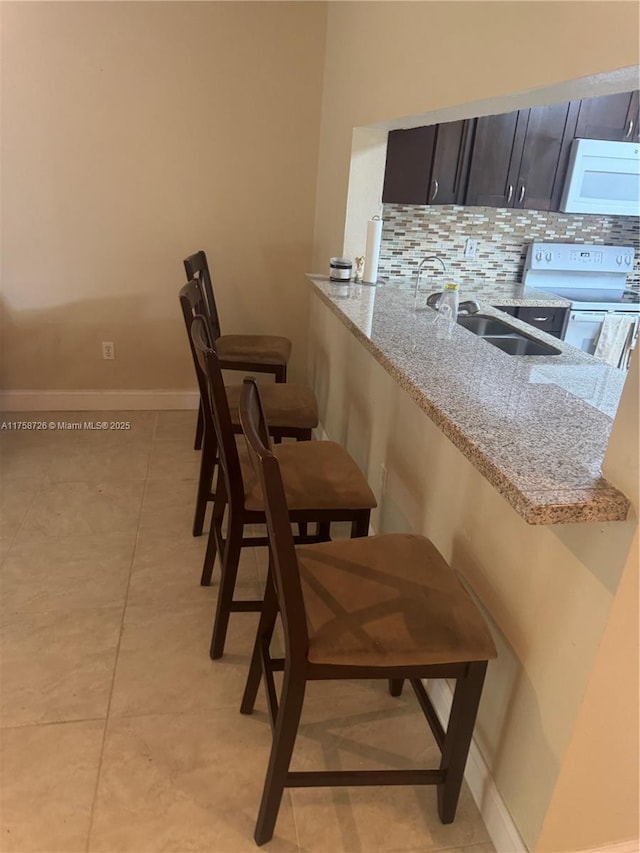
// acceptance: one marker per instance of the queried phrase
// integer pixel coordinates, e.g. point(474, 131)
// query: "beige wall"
point(550, 591)
point(606, 730)
point(132, 135)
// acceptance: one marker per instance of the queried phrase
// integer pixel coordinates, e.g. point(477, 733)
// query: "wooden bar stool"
point(385, 607)
point(322, 481)
point(292, 409)
point(250, 353)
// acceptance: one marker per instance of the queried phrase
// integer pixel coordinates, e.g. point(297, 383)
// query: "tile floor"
point(118, 731)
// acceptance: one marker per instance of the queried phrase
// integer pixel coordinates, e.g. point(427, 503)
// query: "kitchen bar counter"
point(536, 427)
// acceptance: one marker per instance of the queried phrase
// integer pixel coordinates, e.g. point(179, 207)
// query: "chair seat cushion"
point(316, 475)
point(285, 404)
point(260, 349)
point(388, 600)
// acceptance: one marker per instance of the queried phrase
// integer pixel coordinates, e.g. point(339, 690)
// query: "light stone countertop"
point(536, 427)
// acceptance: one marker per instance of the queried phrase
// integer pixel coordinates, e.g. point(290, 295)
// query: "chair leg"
point(457, 741)
point(395, 686)
point(207, 467)
point(292, 698)
point(199, 429)
point(229, 572)
point(360, 527)
point(324, 530)
point(264, 634)
point(215, 531)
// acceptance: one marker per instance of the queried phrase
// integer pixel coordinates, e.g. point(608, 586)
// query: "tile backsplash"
point(410, 232)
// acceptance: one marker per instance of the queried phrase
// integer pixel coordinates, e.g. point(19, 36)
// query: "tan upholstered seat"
point(316, 475)
point(261, 349)
point(388, 600)
point(284, 405)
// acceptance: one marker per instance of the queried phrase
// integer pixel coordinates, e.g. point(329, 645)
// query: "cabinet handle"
point(629, 129)
point(540, 319)
point(521, 196)
point(510, 193)
point(435, 191)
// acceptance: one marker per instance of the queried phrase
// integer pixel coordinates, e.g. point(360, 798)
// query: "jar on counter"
point(340, 269)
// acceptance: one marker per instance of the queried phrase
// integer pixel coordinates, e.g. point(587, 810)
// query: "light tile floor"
point(118, 731)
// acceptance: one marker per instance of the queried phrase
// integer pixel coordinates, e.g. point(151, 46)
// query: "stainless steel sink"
point(521, 345)
point(505, 337)
point(481, 324)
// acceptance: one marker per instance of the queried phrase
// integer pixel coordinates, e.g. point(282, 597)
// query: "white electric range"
point(593, 279)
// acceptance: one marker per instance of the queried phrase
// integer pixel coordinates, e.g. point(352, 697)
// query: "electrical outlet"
point(470, 248)
point(383, 479)
point(108, 350)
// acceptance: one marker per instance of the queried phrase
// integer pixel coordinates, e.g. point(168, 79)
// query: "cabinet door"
point(495, 159)
point(450, 162)
point(608, 117)
point(408, 168)
point(545, 156)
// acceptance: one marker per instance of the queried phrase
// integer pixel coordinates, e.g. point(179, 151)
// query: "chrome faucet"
point(421, 265)
point(423, 262)
point(469, 306)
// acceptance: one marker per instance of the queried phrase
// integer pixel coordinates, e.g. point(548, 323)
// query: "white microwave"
point(603, 177)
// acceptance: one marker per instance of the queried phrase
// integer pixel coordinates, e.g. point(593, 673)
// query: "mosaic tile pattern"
point(517, 420)
point(410, 232)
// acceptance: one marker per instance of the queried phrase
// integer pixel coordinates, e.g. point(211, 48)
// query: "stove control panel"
point(574, 257)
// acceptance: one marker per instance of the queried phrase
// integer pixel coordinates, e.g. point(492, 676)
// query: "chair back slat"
point(192, 304)
point(219, 408)
point(197, 267)
point(287, 575)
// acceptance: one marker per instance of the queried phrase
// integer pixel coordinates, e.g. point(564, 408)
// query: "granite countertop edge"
point(599, 501)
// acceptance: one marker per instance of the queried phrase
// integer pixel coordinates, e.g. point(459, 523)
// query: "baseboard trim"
point(96, 401)
point(500, 826)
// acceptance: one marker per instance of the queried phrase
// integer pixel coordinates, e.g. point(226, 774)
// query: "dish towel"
point(613, 337)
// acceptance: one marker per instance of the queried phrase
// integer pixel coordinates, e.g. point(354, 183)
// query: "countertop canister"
point(340, 269)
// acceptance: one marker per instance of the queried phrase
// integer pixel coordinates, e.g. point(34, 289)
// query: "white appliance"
point(593, 280)
point(603, 177)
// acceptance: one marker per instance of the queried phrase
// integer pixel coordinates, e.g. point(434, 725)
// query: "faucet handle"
point(469, 306)
point(433, 300)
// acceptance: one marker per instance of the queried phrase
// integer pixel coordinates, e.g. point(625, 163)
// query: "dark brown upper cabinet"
point(545, 156)
point(519, 159)
point(495, 161)
point(427, 165)
point(611, 117)
point(408, 168)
